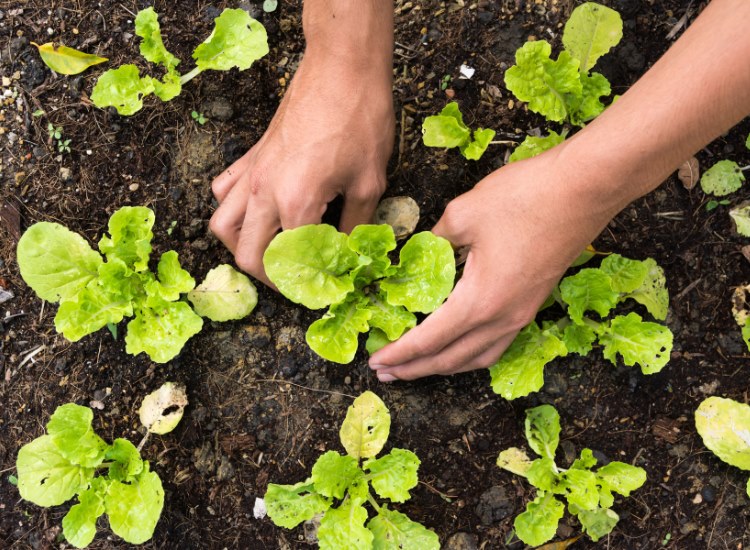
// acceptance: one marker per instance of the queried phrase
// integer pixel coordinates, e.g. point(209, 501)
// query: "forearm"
point(355, 33)
point(695, 92)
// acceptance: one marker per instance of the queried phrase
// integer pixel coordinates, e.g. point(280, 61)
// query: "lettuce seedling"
point(72, 460)
point(317, 266)
point(520, 370)
point(723, 178)
point(588, 493)
point(566, 89)
point(724, 426)
point(237, 40)
point(93, 292)
point(448, 130)
point(350, 480)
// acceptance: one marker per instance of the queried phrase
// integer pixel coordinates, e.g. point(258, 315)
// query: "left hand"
point(524, 226)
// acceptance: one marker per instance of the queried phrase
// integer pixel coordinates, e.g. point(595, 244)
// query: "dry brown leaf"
point(10, 219)
point(746, 252)
point(689, 173)
point(562, 545)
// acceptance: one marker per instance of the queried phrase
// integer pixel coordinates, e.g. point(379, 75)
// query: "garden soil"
point(263, 407)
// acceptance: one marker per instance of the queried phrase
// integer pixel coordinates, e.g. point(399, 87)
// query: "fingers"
point(225, 182)
point(360, 203)
point(431, 336)
point(478, 349)
point(258, 229)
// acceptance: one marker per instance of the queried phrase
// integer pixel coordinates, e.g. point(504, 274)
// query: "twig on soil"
point(30, 356)
point(681, 23)
point(675, 215)
point(143, 441)
point(444, 496)
point(305, 387)
point(687, 289)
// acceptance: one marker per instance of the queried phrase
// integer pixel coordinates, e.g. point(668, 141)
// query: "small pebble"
point(133, 186)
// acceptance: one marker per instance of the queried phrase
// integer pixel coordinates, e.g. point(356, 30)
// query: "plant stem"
point(373, 502)
point(187, 77)
point(143, 441)
point(503, 142)
point(744, 168)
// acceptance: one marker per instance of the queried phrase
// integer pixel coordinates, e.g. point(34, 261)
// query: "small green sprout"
point(198, 117)
point(445, 82)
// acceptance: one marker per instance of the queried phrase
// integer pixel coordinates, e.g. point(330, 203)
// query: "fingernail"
point(387, 378)
point(376, 367)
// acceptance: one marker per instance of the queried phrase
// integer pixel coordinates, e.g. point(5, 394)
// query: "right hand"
point(332, 135)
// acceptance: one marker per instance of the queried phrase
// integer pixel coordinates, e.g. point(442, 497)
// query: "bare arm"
point(332, 134)
point(526, 222)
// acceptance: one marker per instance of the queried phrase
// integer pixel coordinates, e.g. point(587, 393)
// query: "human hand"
point(332, 135)
point(524, 226)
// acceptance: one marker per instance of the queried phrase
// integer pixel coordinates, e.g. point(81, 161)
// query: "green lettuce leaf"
point(724, 426)
point(373, 241)
point(585, 462)
point(378, 339)
point(544, 83)
point(621, 478)
point(474, 149)
point(343, 528)
point(55, 262)
point(333, 473)
point(446, 129)
point(310, 265)
point(598, 523)
point(162, 332)
point(237, 40)
point(588, 105)
point(588, 290)
point(392, 320)
point(637, 341)
point(425, 274)
point(152, 46)
point(335, 336)
point(290, 505)
point(173, 280)
point(579, 338)
point(71, 431)
point(168, 87)
point(542, 427)
point(393, 475)
point(95, 307)
point(590, 32)
point(653, 292)
point(46, 477)
point(543, 474)
point(538, 523)
point(366, 426)
point(722, 178)
point(126, 460)
point(532, 146)
point(134, 508)
point(122, 88)
point(393, 530)
point(224, 295)
point(130, 240)
point(579, 488)
point(627, 275)
point(79, 524)
point(520, 370)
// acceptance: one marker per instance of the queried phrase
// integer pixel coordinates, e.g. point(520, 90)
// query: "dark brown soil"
point(262, 406)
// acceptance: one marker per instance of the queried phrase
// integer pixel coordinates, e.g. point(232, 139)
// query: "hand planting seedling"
point(237, 41)
point(588, 493)
point(72, 460)
point(60, 266)
point(724, 426)
point(448, 130)
point(317, 266)
point(349, 479)
point(520, 370)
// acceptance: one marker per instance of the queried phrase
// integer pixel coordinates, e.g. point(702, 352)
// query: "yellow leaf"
point(562, 545)
point(66, 60)
point(366, 426)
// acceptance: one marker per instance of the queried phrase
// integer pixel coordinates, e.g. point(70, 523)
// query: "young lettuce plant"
point(447, 130)
point(350, 480)
point(588, 493)
point(565, 89)
point(520, 370)
point(72, 460)
point(237, 40)
point(724, 425)
point(93, 292)
point(317, 266)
